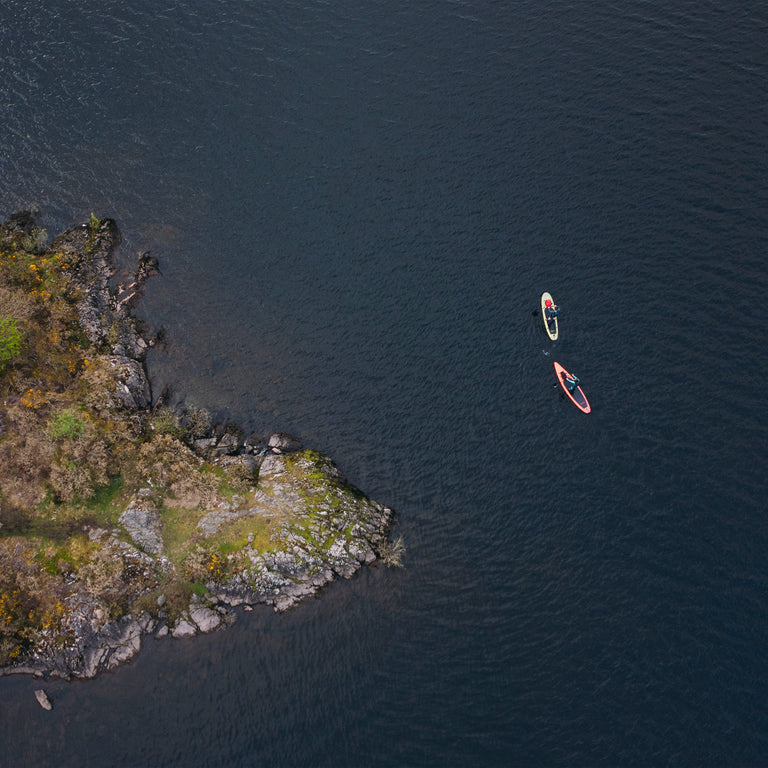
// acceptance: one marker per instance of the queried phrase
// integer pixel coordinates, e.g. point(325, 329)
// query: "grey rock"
point(93, 659)
point(281, 442)
point(272, 465)
point(216, 518)
point(115, 643)
point(348, 570)
point(97, 534)
point(206, 619)
point(232, 600)
point(227, 445)
point(132, 387)
point(126, 642)
point(284, 602)
point(125, 652)
point(146, 623)
point(338, 548)
point(183, 628)
point(204, 445)
point(142, 522)
point(122, 382)
point(246, 463)
point(42, 699)
point(361, 552)
point(323, 577)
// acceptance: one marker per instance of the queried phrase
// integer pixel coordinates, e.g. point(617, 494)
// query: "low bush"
point(10, 341)
point(203, 565)
point(392, 552)
point(198, 422)
point(81, 463)
point(35, 241)
point(67, 425)
point(166, 422)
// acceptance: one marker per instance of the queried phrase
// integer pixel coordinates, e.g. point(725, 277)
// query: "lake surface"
point(356, 207)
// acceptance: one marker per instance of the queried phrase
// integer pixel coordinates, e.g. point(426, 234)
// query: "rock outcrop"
point(211, 520)
point(142, 522)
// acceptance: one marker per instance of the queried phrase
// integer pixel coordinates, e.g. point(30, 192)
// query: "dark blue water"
point(356, 207)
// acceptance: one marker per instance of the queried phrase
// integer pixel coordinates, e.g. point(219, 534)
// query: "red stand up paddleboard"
point(578, 397)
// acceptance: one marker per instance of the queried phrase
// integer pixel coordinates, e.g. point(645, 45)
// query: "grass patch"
point(234, 536)
point(101, 510)
point(179, 531)
point(66, 425)
point(108, 496)
point(230, 482)
point(65, 558)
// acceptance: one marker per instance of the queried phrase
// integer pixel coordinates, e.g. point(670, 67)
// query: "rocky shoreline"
point(292, 525)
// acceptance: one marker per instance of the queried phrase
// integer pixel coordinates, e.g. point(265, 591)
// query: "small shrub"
point(80, 466)
point(166, 422)
point(16, 304)
point(10, 341)
point(198, 422)
point(202, 565)
point(392, 552)
point(94, 223)
point(19, 614)
point(102, 574)
point(67, 425)
point(165, 461)
point(35, 241)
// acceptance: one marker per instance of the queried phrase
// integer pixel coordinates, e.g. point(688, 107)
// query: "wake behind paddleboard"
point(578, 397)
point(549, 325)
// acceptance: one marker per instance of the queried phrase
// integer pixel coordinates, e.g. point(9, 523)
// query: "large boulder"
point(281, 442)
point(205, 618)
point(184, 627)
point(42, 699)
point(142, 522)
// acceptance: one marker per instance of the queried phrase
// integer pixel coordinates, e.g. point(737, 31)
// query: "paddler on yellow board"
point(551, 311)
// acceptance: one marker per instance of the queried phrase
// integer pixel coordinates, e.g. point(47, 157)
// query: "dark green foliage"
point(67, 425)
point(10, 341)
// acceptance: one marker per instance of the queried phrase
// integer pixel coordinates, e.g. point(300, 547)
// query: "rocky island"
point(119, 515)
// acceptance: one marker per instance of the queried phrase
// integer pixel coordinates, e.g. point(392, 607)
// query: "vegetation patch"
point(66, 425)
point(10, 341)
point(256, 532)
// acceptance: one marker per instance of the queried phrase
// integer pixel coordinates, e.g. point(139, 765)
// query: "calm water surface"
point(356, 207)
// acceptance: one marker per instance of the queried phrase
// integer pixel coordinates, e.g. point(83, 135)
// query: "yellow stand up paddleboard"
point(549, 325)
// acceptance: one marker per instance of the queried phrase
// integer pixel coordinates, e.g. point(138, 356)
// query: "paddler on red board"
point(571, 381)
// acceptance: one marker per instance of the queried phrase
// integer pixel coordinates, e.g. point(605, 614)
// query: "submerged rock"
point(42, 699)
